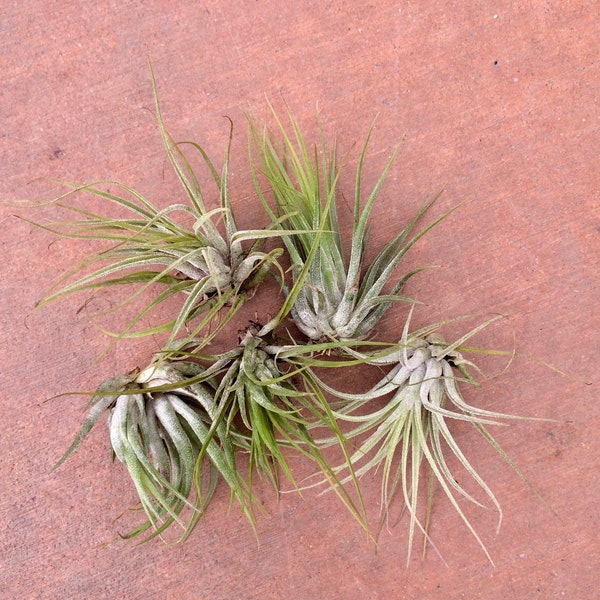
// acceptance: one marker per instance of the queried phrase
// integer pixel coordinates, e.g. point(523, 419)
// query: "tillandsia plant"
point(341, 298)
point(413, 426)
point(161, 426)
point(186, 255)
point(267, 389)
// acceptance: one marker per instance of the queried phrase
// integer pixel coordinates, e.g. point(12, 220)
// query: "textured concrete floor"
point(497, 103)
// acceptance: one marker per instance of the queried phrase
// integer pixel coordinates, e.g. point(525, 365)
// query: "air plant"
point(159, 421)
point(339, 299)
point(266, 388)
point(153, 245)
point(413, 427)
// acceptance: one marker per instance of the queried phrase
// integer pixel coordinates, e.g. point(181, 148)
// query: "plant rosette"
point(159, 421)
point(179, 247)
point(340, 298)
point(413, 426)
point(267, 390)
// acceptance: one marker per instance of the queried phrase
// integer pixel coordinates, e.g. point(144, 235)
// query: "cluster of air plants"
point(190, 419)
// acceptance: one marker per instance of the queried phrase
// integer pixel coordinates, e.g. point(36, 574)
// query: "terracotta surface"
point(498, 103)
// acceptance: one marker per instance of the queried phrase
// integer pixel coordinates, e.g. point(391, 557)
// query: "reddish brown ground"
point(498, 104)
